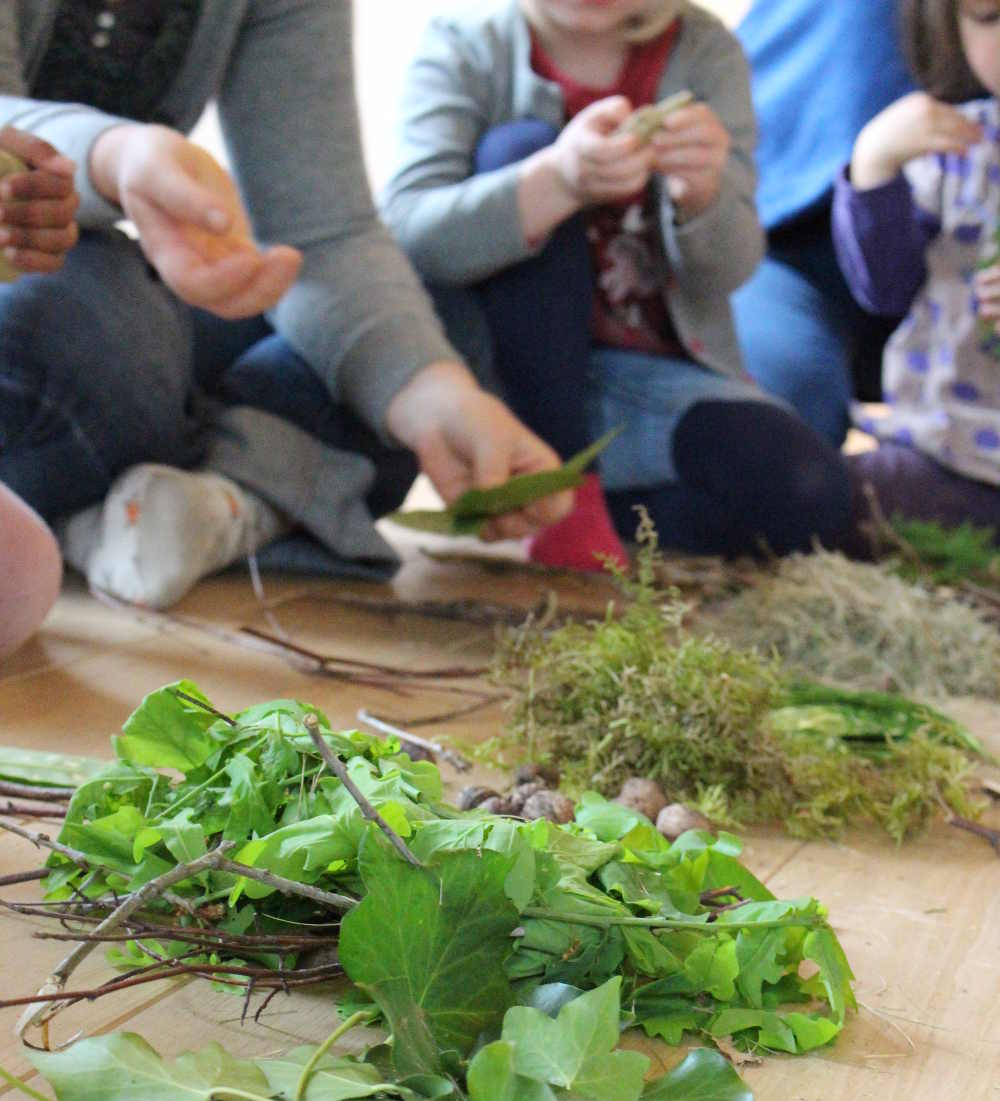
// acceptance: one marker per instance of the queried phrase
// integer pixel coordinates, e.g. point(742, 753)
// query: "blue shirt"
point(820, 69)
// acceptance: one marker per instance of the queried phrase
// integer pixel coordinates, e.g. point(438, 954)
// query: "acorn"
point(676, 818)
point(552, 805)
point(518, 796)
point(645, 796)
point(532, 771)
point(473, 796)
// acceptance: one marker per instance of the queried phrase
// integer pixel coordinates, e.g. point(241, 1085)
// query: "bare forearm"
point(544, 199)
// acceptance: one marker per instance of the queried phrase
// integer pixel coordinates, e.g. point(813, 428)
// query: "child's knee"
point(511, 142)
point(30, 569)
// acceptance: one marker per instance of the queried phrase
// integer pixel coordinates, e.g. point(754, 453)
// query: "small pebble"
point(676, 818)
point(552, 805)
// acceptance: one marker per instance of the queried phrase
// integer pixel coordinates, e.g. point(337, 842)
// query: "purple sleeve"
point(881, 237)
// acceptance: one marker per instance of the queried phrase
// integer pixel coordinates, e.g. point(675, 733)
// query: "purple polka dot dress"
point(942, 365)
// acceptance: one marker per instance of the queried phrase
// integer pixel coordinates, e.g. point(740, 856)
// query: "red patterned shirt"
point(631, 275)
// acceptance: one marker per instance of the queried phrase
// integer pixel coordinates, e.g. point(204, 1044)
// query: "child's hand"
point(595, 164)
point(986, 284)
point(691, 148)
point(191, 222)
point(911, 127)
point(37, 207)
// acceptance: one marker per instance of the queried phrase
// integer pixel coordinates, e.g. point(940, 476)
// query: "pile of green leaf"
point(504, 965)
point(721, 727)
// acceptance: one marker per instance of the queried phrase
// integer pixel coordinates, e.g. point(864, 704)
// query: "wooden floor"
point(921, 924)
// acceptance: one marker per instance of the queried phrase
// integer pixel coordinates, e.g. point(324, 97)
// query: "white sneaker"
point(161, 529)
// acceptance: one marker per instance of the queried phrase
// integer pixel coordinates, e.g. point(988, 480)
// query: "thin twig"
point(440, 717)
point(146, 893)
point(263, 975)
point(205, 706)
point(993, 836)
point(336, 766)
point(42, 794)
point(327, 899)
point(449, 755)
point(23, 877)
point(43, 841)
point(32, 810)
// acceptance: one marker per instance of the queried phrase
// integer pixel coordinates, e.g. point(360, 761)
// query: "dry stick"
point(327, 899)
point(370, 666)
point(146, 893)
point(336, 766)
point(29, 791)
point(42, 840)
point(301, 977)
point(464, 611)
point(993, 836)
point(23, 877)
point(435, 719)
point(32, 810)
point(205, 706)
point(449, 755)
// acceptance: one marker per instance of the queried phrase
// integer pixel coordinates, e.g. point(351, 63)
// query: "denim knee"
point(511, 142)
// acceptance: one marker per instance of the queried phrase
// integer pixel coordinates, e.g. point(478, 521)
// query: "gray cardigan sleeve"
point(456, 227)
point(357, 313)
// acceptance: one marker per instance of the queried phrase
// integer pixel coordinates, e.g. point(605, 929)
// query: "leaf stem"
point(225, 1093)
point(324, 1047)
point(18, 1084)
point(666, 923)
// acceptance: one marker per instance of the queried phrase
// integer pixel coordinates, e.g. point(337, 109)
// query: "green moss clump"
point(638, 694)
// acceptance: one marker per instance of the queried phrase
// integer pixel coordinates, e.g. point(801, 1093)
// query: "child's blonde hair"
point(654, 20)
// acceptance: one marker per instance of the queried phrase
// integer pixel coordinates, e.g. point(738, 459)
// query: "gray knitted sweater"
point(473, 71)
point(282, 73)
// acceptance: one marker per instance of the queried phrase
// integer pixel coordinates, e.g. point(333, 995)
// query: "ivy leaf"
point(703, 1076)
point(576, 1050)
point(757, 952)
point(334, 1078)
point(492, 1077)
point(429, 946)
point(166, 731)
point(823, 948)
point(123, 1067)
point(467, 514)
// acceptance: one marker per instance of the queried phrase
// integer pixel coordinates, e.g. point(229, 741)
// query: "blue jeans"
point(720, 464)
point(802, 335)
point(102, 367)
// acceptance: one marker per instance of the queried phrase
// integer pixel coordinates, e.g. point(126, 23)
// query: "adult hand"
point(191, 223)
point(37, 207)
point(911, 127)
point(464, 437)
point(690, 149)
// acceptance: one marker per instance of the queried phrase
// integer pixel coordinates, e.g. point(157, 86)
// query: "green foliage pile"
point(723, 727)
point(861, 625)
point(947, 556)
point(504, 963)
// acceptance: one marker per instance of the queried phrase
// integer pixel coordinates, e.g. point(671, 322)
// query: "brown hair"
point(932, 45)
point(659, 14)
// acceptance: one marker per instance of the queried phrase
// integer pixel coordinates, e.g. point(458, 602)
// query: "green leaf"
point(467, 514)
point(492, 1077)
point(166, 731)
point(823, 948)
point(429, 945)
point(703, 1076)
point(334, 1078)
point(36, 766)
point(757, 953)
point(123, 1067)
point(576, 1050)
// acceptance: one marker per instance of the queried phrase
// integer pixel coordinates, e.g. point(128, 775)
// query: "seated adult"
point(261, 357)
